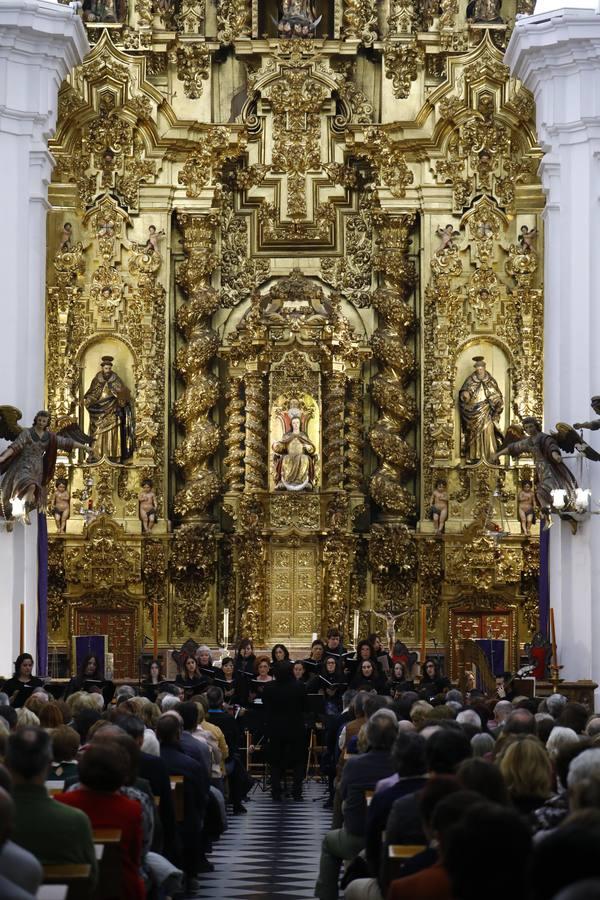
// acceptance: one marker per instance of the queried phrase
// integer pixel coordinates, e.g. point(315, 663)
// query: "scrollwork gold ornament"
point(402, 64)
point(232, 20)
point(393, 561)
point(193, 66)
point(360, 21)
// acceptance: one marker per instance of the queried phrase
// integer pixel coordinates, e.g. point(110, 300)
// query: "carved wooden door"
point(293, 592)
point(489, 625)
point(119, 625)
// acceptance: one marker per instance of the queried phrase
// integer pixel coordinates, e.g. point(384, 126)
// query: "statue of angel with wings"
point(294, 453)
point(552, 474)
point(27, 465)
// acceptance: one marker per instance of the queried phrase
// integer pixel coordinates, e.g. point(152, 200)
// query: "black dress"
point(192, 686)
point(22, 689)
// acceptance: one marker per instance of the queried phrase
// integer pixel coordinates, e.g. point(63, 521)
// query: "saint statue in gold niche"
point(481, 403)
point(108, 402)
point(294, 453)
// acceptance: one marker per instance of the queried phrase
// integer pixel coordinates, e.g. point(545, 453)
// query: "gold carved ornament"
point(397, 460)
point(193, 408)
point(360, 21)
point(232, 20)
point(105, 560)
point(193, 66)
point(402, 64)
point(393, 561)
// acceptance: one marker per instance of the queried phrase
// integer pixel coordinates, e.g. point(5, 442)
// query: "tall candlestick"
point(155, 628)
point(22, 629)
point(226, 627)
point(314, 636)
point(423, 636)
point(553, 637)
point(355, 627)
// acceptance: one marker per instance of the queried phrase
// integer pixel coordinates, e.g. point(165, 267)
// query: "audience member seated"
point(103, 770)
point(65, 744)
point(195, 792)
point(527, 773)
point(19, 868)
point(54, 834)
point(361, 774)
point(238, 780)
point(485, 830)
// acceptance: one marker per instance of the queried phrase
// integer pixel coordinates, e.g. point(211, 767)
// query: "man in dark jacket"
point(284, 703)
point(239, 783)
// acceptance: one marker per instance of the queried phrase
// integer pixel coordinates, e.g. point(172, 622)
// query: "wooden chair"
point(76, 877)
point(107, 843)
point(313, 763)
point(397, 855)
point(55, 787)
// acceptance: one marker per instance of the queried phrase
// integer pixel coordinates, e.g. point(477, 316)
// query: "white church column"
point(556, 54)
point(40, 42)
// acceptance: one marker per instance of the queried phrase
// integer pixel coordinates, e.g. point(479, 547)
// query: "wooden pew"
point(75, 877)
point(177, 787)
point(107, 843)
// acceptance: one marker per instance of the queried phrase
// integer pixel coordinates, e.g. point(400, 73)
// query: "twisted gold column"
point(256, 406)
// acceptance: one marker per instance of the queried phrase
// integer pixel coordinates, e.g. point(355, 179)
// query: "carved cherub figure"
point(447, 236)
point(147, 506)
point(153, 238)
point(526, 501)
point(526, 238)
point(65, 238)
point(439, 505)
point(61, 505)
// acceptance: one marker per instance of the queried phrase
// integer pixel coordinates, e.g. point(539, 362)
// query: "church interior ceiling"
point(294, 262)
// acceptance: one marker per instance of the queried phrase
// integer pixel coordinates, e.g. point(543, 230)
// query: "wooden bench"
point(75, 877)
point(178, 802)
point(107, 843)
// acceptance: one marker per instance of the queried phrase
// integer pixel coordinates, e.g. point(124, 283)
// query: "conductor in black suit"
point(284, 703)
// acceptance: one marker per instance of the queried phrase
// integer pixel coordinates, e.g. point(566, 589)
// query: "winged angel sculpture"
point(27, 465)
point(552, 474)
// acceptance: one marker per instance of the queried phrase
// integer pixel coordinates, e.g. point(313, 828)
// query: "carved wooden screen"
point(119, 625)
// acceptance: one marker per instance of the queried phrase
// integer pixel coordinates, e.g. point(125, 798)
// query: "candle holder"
point(555, 678)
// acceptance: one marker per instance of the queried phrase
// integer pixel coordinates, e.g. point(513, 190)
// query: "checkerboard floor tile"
point(272, 853)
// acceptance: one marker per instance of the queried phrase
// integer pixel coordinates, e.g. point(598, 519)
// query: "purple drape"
point(544, 584)
point(42, 621)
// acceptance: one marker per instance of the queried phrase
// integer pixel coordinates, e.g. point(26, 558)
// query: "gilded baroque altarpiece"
point(292, 249)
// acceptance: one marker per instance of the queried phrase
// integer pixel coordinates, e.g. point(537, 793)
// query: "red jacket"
point(115, 811)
